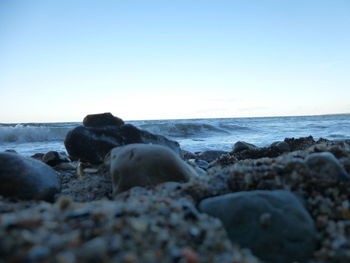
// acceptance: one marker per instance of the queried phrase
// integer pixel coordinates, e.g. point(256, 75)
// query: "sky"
point(61, 60)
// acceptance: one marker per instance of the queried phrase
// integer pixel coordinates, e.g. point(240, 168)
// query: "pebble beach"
point(86, 221)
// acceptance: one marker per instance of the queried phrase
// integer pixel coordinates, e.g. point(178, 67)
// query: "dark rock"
point(201, 164)
point(53, 158)
point(281, 146)
point(188, 155)
point(102, 120)
point(300, 143)
point(26, 178)
point(92, 144)
point(273, 224)
point(241, 146)
point(10, 151)
point(326, 166)
point(38, 156)
point(211, 155)
point(143, 165)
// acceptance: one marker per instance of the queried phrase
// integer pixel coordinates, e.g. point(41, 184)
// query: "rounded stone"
point(281, 146)
point(326, 166)
point(27, 178)
point(146, 164)
point(273, 224)
point(101, 120)
point(241, 146)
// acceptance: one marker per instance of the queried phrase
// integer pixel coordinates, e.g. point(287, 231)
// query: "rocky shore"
point(288, 202)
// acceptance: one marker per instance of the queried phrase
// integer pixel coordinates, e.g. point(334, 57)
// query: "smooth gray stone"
point(146, 164)
point(27, 178)
point(210, 155)
point(281, 146)
point(274, 224)
point(241, 146)
point(325, 165)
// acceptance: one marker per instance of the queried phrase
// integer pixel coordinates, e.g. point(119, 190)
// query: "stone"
point(326, 166)
point(281, 146)
point(241, 146)
point(91, 144)
point(302, 143)
point(188, 155)
point(54, 158)
point(210, 155)
point(144, 165)
point(273, 224)
point(27, 178)
point(102, 120)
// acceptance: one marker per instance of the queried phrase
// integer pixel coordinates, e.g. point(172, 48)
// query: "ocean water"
point(193, 134)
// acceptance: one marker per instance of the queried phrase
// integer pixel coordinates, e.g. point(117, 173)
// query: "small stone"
point(94, 250)
point(326, 166)
point(281, 146)
point(241, 146)
point(53, 158)
point(190, 256)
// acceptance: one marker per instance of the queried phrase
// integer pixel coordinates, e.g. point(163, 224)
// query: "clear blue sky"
point(61, 60)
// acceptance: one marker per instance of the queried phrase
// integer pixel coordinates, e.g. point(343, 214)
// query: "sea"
point(194, 135)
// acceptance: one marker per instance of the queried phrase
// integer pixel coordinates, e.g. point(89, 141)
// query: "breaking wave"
point(32, 133)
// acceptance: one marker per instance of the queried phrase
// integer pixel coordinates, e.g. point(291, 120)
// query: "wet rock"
point(211, 155)
point(241, 146)
point(38, 156)
point(300, 143)
point(102, 120)
point(142, 165)
point(188, 155)
point(274, 224)
point(91, 144)
point(53, 158)
point(281, 146)
point(326, 166)
point(26, 178)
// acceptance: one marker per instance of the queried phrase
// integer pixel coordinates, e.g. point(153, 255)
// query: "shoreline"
point(82, 223)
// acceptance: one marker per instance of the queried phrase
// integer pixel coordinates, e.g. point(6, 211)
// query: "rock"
point(102, 120)
point(143, 165)
point(301, 143)
point(281, 146)
point(326, 166)
point(53, 158)
point(200, 163)
point(26, 178)
point(95, 250)
point(92, 144)
point(188, 155)
point(241, 146)
point(210, 155)
point(65, 166)
point(274, 224)
point(37, 156)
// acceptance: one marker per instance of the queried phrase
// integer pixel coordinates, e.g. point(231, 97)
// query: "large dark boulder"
point(91, 144)
point(27, 178)
point(101, 120)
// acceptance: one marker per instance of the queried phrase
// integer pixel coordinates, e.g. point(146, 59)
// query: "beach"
point(86, 221)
